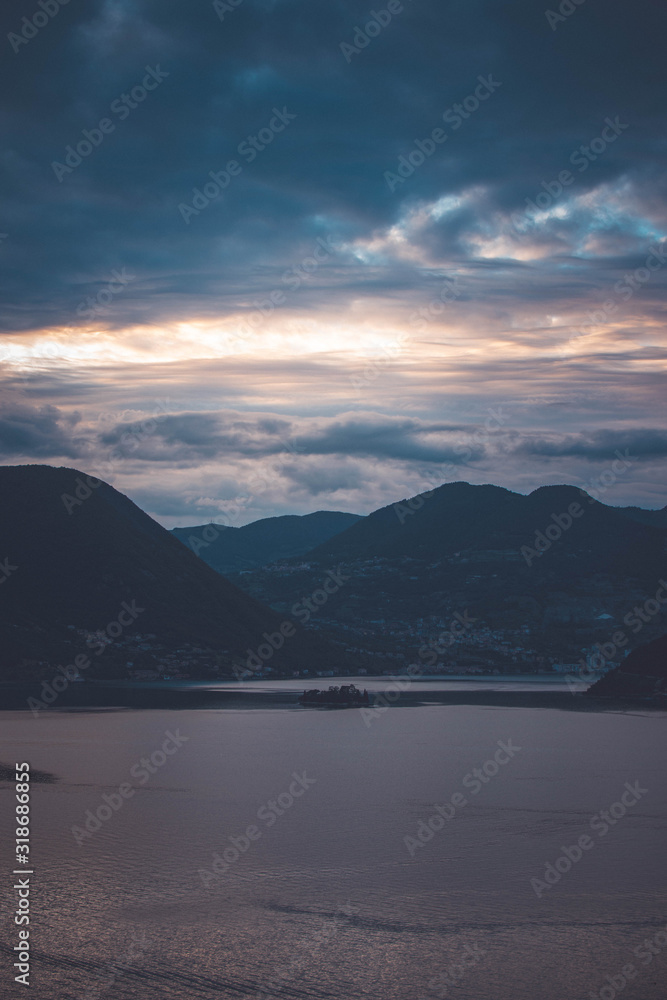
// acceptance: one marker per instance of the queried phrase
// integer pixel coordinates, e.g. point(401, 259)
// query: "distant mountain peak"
point(265, 541)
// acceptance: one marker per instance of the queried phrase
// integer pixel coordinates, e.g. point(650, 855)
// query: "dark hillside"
point(77, 561)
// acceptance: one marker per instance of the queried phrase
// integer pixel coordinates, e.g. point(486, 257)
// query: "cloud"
point(331, 479)
point(192, 439)
point(39, 432)
point(322, 176)
point(197, 436)
point(357, 355)
point(637, 444)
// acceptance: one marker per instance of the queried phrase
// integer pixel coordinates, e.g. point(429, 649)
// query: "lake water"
point(325, 898)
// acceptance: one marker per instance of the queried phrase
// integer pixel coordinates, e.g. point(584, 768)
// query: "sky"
point(261, 257)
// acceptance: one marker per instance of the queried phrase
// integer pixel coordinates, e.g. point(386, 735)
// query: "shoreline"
point(15, 697)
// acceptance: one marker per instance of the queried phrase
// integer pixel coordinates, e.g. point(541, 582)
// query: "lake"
point(257, 852)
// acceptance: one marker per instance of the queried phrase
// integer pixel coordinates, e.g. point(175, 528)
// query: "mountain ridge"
point(544, 576)
point(81, 553)
point(229, 549)
point(485, 514)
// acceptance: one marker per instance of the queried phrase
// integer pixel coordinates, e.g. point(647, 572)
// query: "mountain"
point(658, 518)
point(643, 673)
point(85, 568)
point(458, 518)
point(543, 577)
point(231, 550)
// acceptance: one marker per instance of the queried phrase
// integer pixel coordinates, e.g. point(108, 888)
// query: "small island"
point(345, 696)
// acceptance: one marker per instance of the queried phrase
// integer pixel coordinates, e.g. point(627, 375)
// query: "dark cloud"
point(200, 436)
point(324, 173)
point(39, 432)
point(636, 445)
point(195, 438)
point(533, 265)
point(316, 478)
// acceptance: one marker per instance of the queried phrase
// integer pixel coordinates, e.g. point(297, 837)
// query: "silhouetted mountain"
point(544, 576)
point(79, 558)
point(230, 550)
point(657, 518)
point(460, 519)
point(643, 673)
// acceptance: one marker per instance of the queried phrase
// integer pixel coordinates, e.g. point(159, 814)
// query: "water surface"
point(329, 900)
